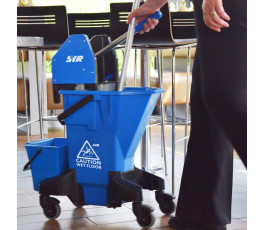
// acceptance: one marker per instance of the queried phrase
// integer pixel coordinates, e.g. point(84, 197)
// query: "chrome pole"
point(135, 68)
point(187, 101)
point(25, 93)
point(38, 95)
point(128, 46)
point(65, 131)
point(173, 120)
point(144, 141)
point(43, 82)
point(163, 144)
point(159, 82)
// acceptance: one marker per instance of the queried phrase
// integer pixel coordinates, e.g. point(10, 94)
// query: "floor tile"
point(23, 200)
point(239, 205)
point(130, 225)
point(244, 219)
point(236, 225)
point(240, 173)
point(57, 224)
point(29, 211)
point(239, 188)
point(110, 219)
point(93, 212)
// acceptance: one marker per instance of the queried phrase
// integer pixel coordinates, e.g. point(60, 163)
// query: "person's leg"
point(218, 119)
point(206, 186)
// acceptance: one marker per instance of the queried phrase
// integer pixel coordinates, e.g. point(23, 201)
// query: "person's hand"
point(214, 14)
point(141, 14)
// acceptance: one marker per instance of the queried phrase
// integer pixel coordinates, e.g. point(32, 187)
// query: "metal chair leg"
point(187, 101)
point(135, 68)
point(38, 95)
point(25, 94)
point(160, 86)
point(160, 78)
point(43, 87)
point(173, 120)
point(144, 142)
point(65, 131)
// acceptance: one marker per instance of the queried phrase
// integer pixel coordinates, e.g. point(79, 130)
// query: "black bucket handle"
point(31, 160)
point(74, 108)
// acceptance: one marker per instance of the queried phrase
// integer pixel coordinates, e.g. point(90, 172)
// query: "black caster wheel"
point(50, 206)
point(146, 221)
point(144, 215)
point(166, 202)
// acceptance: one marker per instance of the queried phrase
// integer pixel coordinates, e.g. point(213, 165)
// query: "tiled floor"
point(30, 216)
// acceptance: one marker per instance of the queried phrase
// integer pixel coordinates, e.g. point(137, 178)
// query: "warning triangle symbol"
point(87, 152)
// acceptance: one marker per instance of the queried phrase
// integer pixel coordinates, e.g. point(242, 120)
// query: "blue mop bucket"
point(103, 135)
point(51, 159)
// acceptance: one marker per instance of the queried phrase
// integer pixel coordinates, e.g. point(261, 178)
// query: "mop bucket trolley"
point(104, 128)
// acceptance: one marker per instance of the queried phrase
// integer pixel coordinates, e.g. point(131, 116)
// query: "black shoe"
point(178, 224)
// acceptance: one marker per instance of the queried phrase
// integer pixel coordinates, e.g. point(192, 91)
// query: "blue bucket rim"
point(35, 143)
point(126, 91)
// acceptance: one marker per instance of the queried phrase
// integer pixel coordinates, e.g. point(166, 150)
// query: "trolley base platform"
point(123, 187)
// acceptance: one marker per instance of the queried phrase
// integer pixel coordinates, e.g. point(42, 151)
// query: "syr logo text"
point(74, 58)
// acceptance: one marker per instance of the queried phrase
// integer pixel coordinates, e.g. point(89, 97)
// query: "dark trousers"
point(218, 118)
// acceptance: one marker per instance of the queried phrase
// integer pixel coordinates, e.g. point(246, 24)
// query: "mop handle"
point(157, 15)
point(128, 46)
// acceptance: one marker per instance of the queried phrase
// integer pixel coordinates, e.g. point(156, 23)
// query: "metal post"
point(187, 101)
point(144, 68)
point(144, 142)
point(135, 68)
point(65, 131)
point(173, 120)
point(25, 94)
point(43, 85)
point(38, 95)
point(163, 144)
point(160, 83)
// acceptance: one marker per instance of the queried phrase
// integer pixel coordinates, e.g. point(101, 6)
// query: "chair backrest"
point(49, 22)
point(183, 25)
point(89, 23)
point(161, 35)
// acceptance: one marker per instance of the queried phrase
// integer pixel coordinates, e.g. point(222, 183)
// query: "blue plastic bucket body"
point(50, 162)
point(103, 135)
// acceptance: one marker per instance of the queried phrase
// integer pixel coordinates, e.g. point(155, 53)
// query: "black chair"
point(118, 18)
point(183, 25)
point(50, 24)
point(97, 27)
point(168, 32)
point(172, 32)
point(90, 24)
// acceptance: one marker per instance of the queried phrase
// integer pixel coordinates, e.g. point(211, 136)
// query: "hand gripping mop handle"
point(157, 15)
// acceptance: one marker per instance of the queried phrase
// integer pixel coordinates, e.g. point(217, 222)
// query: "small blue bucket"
point(50, 162)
